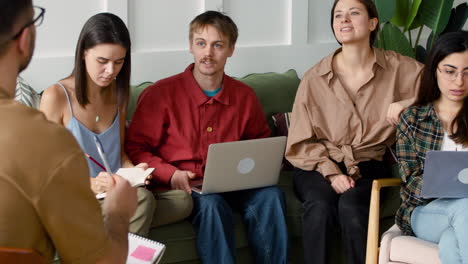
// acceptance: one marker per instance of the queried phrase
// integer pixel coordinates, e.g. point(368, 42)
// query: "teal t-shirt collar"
point(213, 93)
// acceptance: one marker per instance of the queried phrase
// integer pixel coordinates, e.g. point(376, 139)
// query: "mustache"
point(206, 59)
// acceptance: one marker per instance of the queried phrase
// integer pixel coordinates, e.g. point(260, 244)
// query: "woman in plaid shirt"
point(437, 121)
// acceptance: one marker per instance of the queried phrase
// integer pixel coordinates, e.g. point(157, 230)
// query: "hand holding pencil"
point(104, 180)
point(102, 183)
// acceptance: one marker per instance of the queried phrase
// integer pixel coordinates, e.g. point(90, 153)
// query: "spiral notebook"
point(142, 250)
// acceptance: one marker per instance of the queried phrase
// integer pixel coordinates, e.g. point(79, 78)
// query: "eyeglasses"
point(38, 18)
point(452, 75)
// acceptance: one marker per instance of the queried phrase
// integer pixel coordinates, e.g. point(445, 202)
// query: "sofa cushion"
point(396, 248)
point(275, 91)
point(385, 243)
point(409, 249)
point(282, 122)
point(25, 94)
point(135, 91)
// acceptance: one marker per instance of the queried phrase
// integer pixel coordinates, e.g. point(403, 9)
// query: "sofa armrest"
point(386, 243)
point(372, 251)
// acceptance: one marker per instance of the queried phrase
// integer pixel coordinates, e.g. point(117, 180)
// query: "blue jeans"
point(444, 222)
point(263, 212)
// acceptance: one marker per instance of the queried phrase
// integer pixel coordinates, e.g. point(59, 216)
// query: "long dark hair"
point(371, 12)
point(101, 29)
point(453, 42)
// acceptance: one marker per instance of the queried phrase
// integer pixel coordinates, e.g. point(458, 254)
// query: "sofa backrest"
point(135, 91)
point(275, 91)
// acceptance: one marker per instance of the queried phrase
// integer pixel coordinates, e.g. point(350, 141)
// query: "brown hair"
point(371, 12)
point(220, 21)
point(99, 29)
point(429, 91)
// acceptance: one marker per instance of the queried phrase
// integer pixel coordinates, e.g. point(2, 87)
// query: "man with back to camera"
point(175, 121)
point(46, 203)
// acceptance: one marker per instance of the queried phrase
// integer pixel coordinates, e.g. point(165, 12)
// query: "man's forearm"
point(117, 229)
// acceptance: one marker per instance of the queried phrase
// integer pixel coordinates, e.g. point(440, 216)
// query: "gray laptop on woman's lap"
point(445, 175)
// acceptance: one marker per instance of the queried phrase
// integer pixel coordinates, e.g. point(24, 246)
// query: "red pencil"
point(95, 161)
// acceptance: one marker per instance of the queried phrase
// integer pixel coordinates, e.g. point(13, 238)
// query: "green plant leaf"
point(411, 21)
point(435, 14)
point(457, 19)
point(402, 10)
point(395, 40)
point(416, 23)
point(386, 9)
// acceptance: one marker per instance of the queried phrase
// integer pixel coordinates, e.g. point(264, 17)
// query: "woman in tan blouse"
point(343, 118)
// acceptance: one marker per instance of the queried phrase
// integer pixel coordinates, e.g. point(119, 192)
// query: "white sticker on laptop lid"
point(463, 176)
point(245, 165)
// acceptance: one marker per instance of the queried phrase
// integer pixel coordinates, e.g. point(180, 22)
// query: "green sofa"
point(276, 93)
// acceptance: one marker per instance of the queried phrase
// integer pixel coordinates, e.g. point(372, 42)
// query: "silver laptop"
point(445, 174)
point(241, 165)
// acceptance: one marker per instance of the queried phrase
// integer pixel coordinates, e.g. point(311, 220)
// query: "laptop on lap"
point(445, 175)
point(240, 165)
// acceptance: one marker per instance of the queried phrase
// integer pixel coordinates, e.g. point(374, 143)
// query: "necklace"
point(97, 118)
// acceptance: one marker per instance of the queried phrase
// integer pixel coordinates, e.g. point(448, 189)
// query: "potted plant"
point(402, 23)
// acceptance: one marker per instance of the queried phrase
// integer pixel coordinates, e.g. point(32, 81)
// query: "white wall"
point(274, 35)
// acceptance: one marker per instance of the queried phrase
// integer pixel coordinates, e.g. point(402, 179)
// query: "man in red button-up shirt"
point(176, 120)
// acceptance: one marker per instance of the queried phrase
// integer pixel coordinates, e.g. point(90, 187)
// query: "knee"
point(187, 204)
point(460, 216)
point(462, 207)
point(209, 204)
point(351, 203)
point(269, 200)
point(273, 191)
point(352, 213)
point(448, 246)
point(146, 200)
point(319, 208)
point(346, 206)
point(272, 195)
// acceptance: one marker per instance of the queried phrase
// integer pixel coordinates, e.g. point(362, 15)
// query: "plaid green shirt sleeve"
point(418, 131)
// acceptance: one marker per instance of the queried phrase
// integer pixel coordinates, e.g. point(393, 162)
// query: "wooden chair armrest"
point(372, 251)
point(385, 182)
